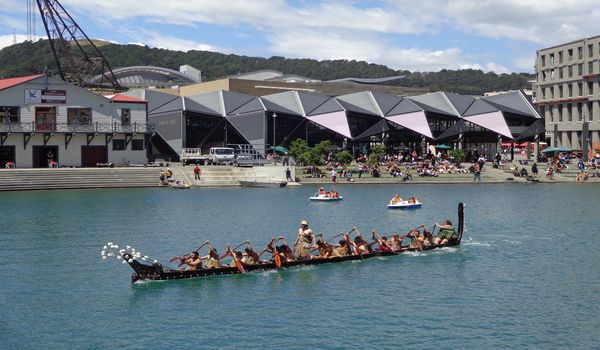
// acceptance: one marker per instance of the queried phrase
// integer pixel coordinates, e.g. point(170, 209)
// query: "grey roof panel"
point(534, 129)
point(287, 100)
point(251, 126)
point(378, 128)
point(273, 107)
point(362, 100)
point(460, 102)
point(209, 100)
point(405, 106)
point(368, 80)
point(512, 101)
point(458, 128)
point(157, 99)
point(386, 102)
point(479, 107)
point(312, 101)
point(353, 108)
point(328, 106)
point(435, 102)
point(173, 105)
point(233, 101)
point(194, 106)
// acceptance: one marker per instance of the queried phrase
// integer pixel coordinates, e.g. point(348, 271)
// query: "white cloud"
point(341, 45)
point(7, 40)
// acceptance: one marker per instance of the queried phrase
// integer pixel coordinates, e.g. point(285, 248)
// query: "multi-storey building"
point(49, 122)
point(568, 93)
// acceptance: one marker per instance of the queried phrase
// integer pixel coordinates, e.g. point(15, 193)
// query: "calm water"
point(526, 276)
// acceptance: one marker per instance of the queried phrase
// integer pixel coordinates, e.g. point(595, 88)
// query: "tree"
point(344, 157)
point(458, 155)
point(298, 147)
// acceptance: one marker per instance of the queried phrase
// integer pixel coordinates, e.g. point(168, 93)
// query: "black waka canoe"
point(156, 272)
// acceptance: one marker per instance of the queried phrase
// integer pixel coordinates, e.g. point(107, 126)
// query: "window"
point(580, 138)
point(569, 112)
point(552, 74)
point(570, 54)
point(580, 69)
point(9, 114)
point(561, 71)
point(579, 112)
point(118, 145)
point(570, 86)
point(137, 145)
point(560, 113)
point(125, 117)
point(580, 89)
point(590, 87)
point(543, 60)
point(580, 52)
point(79, 116)
point(560, 92)
point(590, 67)
point(590, 50)
point(590, 110)
point(543, 75)
point(571, 71)
point(551, 58)
point(560, 57)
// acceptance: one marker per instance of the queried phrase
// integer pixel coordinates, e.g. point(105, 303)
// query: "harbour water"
point(527, 275)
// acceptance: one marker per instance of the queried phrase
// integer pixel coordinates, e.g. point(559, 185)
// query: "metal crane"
point(77, 57)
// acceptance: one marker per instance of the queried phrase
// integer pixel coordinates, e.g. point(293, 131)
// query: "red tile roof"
point(7, 83)
point(125, 98)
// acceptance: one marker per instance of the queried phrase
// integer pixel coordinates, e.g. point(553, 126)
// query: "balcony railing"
point(75, 127)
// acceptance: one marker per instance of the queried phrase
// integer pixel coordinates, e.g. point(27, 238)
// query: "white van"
point(221, 155)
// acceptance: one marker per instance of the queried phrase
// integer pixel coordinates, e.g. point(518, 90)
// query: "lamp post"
point(274, 135)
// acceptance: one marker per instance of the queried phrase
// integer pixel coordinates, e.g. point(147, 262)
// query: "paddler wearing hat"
point(304, 242)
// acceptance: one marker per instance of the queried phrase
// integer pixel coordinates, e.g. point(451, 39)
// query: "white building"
point(46, 121)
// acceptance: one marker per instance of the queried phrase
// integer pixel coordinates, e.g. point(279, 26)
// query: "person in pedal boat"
point(212, 259)
point(193, 262)
point(445, 234)
point(321, 192)
point(334, 194)
point(412, 200)
point(396, 199)
point(304, 242)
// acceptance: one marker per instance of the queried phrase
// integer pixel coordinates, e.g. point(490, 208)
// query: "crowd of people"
point(309, 245)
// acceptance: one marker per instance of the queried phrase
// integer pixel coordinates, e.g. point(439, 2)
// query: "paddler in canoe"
point(446, 232)
point(193, 262)
point(212, 259)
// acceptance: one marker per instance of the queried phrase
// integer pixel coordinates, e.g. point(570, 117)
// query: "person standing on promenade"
point(476, 173)
point(333, 175)
point(197, 172)
point(288, 175)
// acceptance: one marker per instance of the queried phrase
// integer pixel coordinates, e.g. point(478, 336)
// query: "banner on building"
point(45, 96)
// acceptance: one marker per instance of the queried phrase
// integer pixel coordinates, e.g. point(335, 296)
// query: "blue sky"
point(426, 35)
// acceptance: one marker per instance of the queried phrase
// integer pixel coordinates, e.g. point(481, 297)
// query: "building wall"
point(568, 91)
point(105, 114)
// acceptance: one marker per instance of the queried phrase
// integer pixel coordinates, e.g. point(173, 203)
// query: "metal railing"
point(75, 127)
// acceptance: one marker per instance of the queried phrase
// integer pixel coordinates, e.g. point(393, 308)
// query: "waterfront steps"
point(219, 176)
point(67, 178)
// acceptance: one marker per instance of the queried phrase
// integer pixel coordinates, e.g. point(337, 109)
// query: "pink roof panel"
point(335, 121)
point(493, 121)
point(415, 121)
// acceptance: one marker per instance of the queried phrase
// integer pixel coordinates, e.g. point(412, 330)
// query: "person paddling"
point(445, 234)
point(212, 259)
point(193, 262)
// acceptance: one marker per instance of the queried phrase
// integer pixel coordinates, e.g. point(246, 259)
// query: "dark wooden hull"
point(156, 272)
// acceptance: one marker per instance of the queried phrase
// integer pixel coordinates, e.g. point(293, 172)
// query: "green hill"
point(32, 58)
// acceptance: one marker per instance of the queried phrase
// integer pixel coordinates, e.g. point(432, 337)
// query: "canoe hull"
point(156, 272)
point(322, 199)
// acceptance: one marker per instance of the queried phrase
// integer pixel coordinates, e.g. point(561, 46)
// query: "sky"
point(416, 35)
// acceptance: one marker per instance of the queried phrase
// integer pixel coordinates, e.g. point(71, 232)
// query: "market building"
point(47, 122)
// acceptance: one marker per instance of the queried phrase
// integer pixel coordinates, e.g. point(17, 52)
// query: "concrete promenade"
point(227, 176)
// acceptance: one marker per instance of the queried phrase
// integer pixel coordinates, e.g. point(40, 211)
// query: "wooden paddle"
point(234, 249)
point(237, 261)
point(181, 256)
